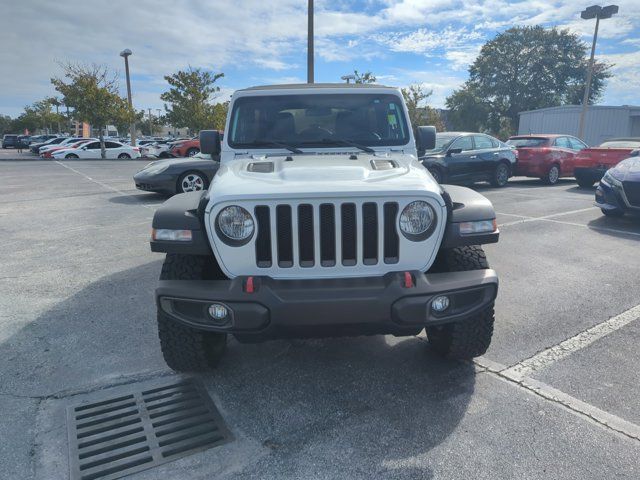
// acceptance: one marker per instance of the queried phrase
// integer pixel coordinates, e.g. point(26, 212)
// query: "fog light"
point(218, 311)
point(440, 304)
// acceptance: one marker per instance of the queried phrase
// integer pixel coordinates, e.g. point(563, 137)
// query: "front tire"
point(186, 349)
point(437, 174)
point(192, 182)
point(584, 182)
point(71, 155)
point(553, 175)
point(192, 151)
point(471, 337)
point(612, 213)
point(124, 155)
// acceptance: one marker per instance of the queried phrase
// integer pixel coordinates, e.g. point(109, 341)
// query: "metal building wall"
point(602, 123)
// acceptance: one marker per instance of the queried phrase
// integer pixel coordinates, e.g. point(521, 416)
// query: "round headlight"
point(235, 223)
point(417, 220)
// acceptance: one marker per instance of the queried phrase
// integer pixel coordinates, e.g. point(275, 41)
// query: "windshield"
point(527, 142)
point(621, 144)
point(318, 120)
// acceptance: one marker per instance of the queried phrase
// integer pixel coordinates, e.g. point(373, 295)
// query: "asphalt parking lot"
point(556, 395)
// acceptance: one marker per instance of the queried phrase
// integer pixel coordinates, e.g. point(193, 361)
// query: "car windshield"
point(527, 142)
point(621, 144)
point(318, 120)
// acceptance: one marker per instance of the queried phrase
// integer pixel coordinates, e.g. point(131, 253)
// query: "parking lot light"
point(599, 13)
point(126, 53)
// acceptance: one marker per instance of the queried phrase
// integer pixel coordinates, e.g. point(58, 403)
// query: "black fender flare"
point(184, 211)
point(466, 205)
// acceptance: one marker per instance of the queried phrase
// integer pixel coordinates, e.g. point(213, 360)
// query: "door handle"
point(496, 153)
point(473, 156)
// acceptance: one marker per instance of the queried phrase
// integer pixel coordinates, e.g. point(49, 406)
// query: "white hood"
point(321, 175)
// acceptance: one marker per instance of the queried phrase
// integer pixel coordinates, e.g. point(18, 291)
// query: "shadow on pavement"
point(137, 199)
point(363, 407)
point(627, 226)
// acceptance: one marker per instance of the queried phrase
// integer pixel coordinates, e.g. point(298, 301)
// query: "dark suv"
point(9, 140)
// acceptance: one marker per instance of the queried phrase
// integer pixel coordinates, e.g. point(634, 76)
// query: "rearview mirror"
point(426, 138)
point(451, 151)
point(210, 142)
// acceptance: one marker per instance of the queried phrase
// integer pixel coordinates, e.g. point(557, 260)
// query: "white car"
point(65, 143)
point(92, 150)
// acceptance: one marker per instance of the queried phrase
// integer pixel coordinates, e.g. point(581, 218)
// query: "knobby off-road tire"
point(185, 349)
point(471, 337)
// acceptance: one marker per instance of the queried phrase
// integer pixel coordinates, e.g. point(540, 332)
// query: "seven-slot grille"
point(328, 234)
point(632, 192)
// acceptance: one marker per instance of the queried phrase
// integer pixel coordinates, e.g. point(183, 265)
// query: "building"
point(601, 124)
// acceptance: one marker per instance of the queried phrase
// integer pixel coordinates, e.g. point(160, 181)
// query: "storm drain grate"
point(142, 428)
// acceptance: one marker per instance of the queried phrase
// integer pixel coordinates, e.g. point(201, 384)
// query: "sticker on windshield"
point(393, 121)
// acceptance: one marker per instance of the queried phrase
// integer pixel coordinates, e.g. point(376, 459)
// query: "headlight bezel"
point(227, 239)
point(423, 235)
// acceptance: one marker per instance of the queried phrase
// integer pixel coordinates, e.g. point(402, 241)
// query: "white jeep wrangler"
point(322, 222)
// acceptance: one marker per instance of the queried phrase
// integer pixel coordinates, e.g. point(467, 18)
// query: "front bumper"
point(327, 307)
point(162, 182)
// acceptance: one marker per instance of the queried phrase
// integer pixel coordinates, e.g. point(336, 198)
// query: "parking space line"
point(546, 217)
point(578, 407)
point(565, 348)
point(98, 182)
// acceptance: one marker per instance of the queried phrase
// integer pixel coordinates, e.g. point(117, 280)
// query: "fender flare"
point(466, 205)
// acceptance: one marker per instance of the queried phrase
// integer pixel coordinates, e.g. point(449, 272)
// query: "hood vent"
point(261, 167)
point(383, 164)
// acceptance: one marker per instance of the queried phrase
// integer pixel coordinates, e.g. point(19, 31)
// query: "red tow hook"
point(248, 286)
point(408, 280)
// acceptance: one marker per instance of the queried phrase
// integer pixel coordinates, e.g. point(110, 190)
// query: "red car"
point(49, 153)
point(592, 163)
point(547, 157)
point(185, 148)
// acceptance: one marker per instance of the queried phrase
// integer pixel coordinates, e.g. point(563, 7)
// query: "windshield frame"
point(407, 142)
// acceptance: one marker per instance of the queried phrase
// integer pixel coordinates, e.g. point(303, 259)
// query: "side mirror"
point(635, 153)
point(451, 151)
point(426, 139)
point(210, 142)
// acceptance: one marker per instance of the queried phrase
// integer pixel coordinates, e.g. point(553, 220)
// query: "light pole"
point(310, 42)
point(132, 128)
point(599, 13)
point(348, 78)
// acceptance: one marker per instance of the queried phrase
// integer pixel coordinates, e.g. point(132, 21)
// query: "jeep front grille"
point(346, 234)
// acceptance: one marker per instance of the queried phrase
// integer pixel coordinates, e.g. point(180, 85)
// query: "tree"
point(419, 112)
point(92, 91)
point(365, 77)
point(6, 124)
point(524, 68)
point(220, 115)
point(189, 99)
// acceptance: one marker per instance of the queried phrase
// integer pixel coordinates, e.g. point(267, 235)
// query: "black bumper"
point(593, 174)
point(327, 307)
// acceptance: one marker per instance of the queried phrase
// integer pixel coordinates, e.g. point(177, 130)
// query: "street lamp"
point(347, 78)
point(132, 128)
point(599, 13)
point(310, 42)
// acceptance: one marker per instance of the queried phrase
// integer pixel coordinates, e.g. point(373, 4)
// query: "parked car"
point(49, 153)
point(177, 175)
point(158, 149)
point(24, 140)
point(9, 140)
point(67, 142)
point(619, 188)
point(92, 150)
point(592, 163)
point(548, 157)
point(464, 158)
point(185, 148)
point(36, 145)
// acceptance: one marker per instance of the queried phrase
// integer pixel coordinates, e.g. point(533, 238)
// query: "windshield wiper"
point(270, 143)
point(342, 141)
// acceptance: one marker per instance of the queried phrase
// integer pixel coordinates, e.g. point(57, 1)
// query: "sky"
point(256, 42)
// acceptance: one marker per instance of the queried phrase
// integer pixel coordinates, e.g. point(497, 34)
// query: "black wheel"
point(437, 174)
point(500, 175)
point(553, 175)
point(584, 182)
point(471, 337)
point(124, 155)
point(185, 349)
point(71, 155)
point(192, 182)
point(612, 213)
point(192, 151)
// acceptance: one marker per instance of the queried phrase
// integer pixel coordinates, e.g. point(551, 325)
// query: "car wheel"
point(192, 151)
point(436, 173)
point(584, 182)
point(612, 213)
point(500, 175)
point(192, 182)
point(71, 155)
point(124, 155)
point(553, 175)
